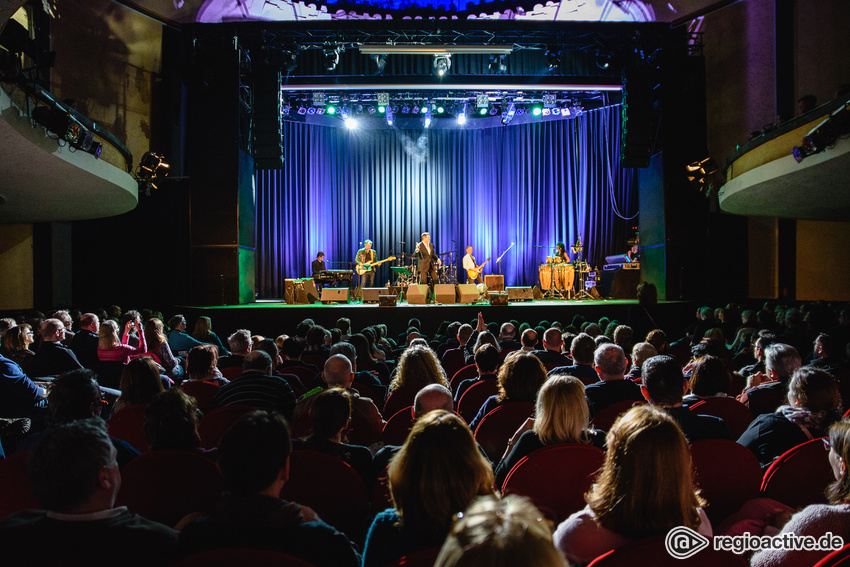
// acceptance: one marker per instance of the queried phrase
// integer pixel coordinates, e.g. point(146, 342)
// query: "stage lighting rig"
point(330, 56)
point(442, 64)
point(824, 134)
point(497, 64)
point(553, 58)
point(152, 168)
point(509, 114)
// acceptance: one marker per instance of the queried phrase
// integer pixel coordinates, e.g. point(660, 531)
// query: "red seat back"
point(231, 372)
point(422, 558)
point(309, 378)
point(367, 391)
point(315, 358)
point(574, 465)
point(728, 474)
point(453, 362)
point(465, 373)
point(203, 392)
point(165, 486)
point(397, 427)
point(332, 488)
point(399, 399)
point(498, 426)
point(128, 424)
point(226, 557)
point(736, 415)
point(503, 354)
point(838, 558)
point(217, 422)
point(15, 491)
point(381, 499)
point(475, 396)
point(294, 383)
point(799, 476)
point(606, 418)
point(652, 551)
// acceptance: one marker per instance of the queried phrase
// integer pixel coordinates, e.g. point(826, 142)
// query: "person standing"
point(469, 263)
point(428, 260)
point(366, 256)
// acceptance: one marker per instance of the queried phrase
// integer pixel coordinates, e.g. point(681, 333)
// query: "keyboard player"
point(318, 267)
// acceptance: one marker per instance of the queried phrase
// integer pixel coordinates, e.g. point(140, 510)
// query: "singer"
point(428, 260)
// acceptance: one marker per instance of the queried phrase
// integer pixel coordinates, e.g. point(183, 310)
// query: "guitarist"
point(366, 256)
point(469, 263)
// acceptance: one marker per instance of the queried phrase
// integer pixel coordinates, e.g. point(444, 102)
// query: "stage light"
point(547, 111)
point(494, 111)
point(302, 111)
point(427, 117)
point(704, 175)
point(311, 110)
point(509, 115)
point(553, 58)
point(389, 116)
point(497, 64)
point(380, 61)
point(549, 100)
point(320, 111)
point(415, 109)
point(152, 167)
point(536, 111)
point(372, 110)
point(358, 109)
point(461, 116)
point(425, 109)
point(330, 57)
point(440, 110)
point(383, 99)
point(350, 122)
point(318, 98)
point(405, 109)
point(556, 111)
point(330, 109)
point(442, 64)
point(603, 60)
point(482, 111)
point(482, 101)
point(95, 149)
point(382, 109)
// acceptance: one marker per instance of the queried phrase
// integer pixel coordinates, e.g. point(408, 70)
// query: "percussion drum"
point(564, 276)
point(545, 277)
point(549, 260)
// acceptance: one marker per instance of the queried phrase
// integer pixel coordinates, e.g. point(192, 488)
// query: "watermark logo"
point(683, 542)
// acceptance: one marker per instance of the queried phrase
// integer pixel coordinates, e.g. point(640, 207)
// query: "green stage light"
point(331, 110)
point(536, 111)
point(382, 109)
point(482, 111)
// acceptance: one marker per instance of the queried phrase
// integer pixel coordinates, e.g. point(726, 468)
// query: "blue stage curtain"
point(530, 184)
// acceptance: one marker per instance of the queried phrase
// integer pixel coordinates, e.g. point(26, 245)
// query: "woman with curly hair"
point(159, 349)
point(520, 377)
point(418, 367)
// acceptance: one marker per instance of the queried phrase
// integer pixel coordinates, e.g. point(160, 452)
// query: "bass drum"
point(545, 277)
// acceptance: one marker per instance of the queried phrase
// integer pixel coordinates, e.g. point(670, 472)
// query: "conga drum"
point(545, 277)
point(565, 276)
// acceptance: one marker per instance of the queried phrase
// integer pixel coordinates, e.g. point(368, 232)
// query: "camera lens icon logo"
point(682, 542)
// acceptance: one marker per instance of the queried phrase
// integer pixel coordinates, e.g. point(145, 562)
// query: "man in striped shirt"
point(258, 388)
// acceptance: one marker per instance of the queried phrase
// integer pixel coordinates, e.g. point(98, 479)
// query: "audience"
point(581, 351)
point(418, 367)
point(766, 391)
point(112, 349)
point(160, 350)
point(86, 339)
point(204, 333)
point(53, 357)
point(520, 378)
point(486, 364)
point(611, 364)
point(19, 396)
point(179, 340)
point(240, 346)
point(551, 353)
point(140, 382)
point(202, 365)
point(709, 379)
point(258, 388)
point(171, 423)
point(16, 343)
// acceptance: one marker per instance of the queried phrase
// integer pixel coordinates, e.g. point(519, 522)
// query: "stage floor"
point(273, 317)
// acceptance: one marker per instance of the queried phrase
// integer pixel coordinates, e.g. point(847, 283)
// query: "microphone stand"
point(499, 259)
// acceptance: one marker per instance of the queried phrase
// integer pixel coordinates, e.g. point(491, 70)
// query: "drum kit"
point(557, 278)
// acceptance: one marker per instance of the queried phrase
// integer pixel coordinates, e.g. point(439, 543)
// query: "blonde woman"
point(645, 488)
point(437, 473)
point(417, 368)
point(561, 416)
point(159, 349)
point(204, 333)
point(112, 349)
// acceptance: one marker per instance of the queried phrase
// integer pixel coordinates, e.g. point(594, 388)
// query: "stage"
point(272, 317)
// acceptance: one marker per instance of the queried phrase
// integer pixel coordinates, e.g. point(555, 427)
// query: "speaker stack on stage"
point(498, 298)
point(372, 294)
point(467, 293)
point(300, 291)
point(335, 295)
point(417, 294)
point(520, 294)
point(444, 293)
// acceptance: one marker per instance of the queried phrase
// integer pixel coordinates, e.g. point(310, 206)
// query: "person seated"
point(330, 414)
point(610, 363)
point(171, 424)
point(486, 364)
point(475, 342)
point(440, 446)
point(339, 373)
point(500, 532)
point(240, 346)
point(160, 350)
point(417, 367)
point(507, 337)
point(364, 377)
point(709, 379)
point(202, 366)
point(112, 349)
point(664, 386)
point(75, 479)
point(85, 341)
point(258, 388)
point(551, 354)
point(16, 345)
point(291, 352)
point(528, 339)
point(818, 519)
point(179, 340)
point(645, 488)
point(813, 405)
point(581, 351)
point(520, 378)
point(53, 357)
point(765, 392)
point(254, 460)
point(561, 416)
point(203, 332)
point(140, 382)
point(366, 361)
point(20, 396)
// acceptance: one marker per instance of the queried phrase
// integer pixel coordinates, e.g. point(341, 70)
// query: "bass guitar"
point(473, 272)
point(366, 267)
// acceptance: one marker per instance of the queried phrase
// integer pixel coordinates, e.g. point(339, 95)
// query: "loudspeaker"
point(335, 295)
point(306, 291)
point(444, 293)
point(495, 282)
point(537, 293)
point(387, 300)
point(520, 294)
point(467, 293)
point(289, 291)
point(371, 294)
point(396, 290)
point(594, 293)
point(498, 298)
point(417, 294)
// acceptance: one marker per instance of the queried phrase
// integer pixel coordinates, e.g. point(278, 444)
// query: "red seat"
point(165, 486)
point(453, 362)
point(728, 474)
point(366, 391)
point(381, 498)
point(574, 465)
point(606, 418)
point(309, 378)
point(315, 358)
point(503, 354)
point(294, 382)
point(203, 392)
point(838, 558)
point(332, 488)
point(465, 373)
point(128, 424)
point(799, 476)
point(232, 372)
point(423, 558)
point(498, 426)
point(229, 556)
point(397, 427)
point(652, 551)
point(475, 396)
point(15, 491)
point(736, 415)
point(552, 366)
point(399, 399)
point(217, 422)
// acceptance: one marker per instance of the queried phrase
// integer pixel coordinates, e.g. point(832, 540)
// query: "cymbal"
point(445, 253)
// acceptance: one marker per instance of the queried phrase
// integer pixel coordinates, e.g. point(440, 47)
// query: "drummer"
point(561, 256)
point(562, 276)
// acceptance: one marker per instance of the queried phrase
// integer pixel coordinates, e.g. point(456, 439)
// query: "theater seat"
point(498, 426)
point(203, 392)
point(736, 415)
point(309, 378)
point(227, 557)
point(232, 372)
point(453, 362)
point(475, 396)
point(399, 399)
point(728, 474)
point(15, 491)
point(651, 551)
point(838, 558)
point(165, 486)
point(799, 476)
point(214, 425)
point(574, 465)
point(397, 427)
point(606, 418)
point(128, 424)
point(465, 373)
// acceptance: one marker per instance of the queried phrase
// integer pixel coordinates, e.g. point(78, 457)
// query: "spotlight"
point(382, 109)
point(415, 110)
point(704, 175)
point(482, 111)
point(330, 57)
point(95, 149)
point(442, 63)
point(350, 122)
point(440, 109)
point(372, 110)
point(318, 98)
point(549, 100)
point(547, 111)
point(302, 111)
point(405, 109)
point(556, 111)
point(553, 58)
point(425, 109)
point(330, 109)
point(497, 64)
point(461, 116)
point(152, 167)
point(389, 116)
point(380, 61)
point(603, 60)
point(494, 111)
point(536, 111)
point(311, 110)
point(482, 101)
point(427, 119)
point(509, 115)
point(358, 109)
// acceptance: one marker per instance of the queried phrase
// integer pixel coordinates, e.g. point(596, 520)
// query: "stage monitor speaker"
point(467, 293)
point(396, 290)
point(371, 294)
point(444, 293)
point(495, 282)
point(520, 294)
point(388, 300)
point(537, 293)
point(289, 295)
point(498, 298)
point(335, 295)
point(305, 291)
point(417, 294)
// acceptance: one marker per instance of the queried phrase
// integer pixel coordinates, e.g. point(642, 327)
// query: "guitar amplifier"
point(494, 282)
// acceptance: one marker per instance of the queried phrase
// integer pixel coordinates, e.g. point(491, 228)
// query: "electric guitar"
point(473, 272)
point(367, 266)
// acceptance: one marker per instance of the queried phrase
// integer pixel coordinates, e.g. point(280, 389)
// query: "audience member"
point(528, 339)
point(53, 357)
point(551, 353)
point(86, 340)
point(507, 337)
point(581, 351)
point(641, 352)
point(112, 349)
point(520, 378)
point(204, 333)
point(16, 343)
point(171, 423)
point(418, 367)
point(291, 352)
point(140, 382)
point(160, 350)
point(202, 366)
point(486, 364)
point(258, 388)
point(709, 379)
point(240, 346)
point(610, 363)
point(766, 391)
point(20, 396)
point(179, 340)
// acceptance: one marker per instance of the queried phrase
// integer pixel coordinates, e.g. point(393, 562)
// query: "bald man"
point(551, 353)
